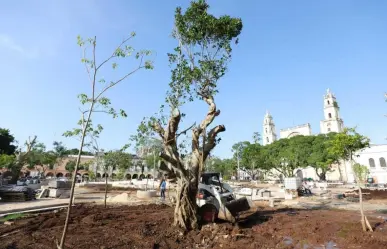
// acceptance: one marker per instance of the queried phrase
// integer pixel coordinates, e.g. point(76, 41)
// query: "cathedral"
point(332, 122)
point(373, 157)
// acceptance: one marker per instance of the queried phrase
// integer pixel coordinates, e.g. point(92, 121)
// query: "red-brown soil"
point(369, 194)
point(149, 226)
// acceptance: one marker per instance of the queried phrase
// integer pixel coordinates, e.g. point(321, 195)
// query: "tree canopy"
point(7, 141)
point(288, 154)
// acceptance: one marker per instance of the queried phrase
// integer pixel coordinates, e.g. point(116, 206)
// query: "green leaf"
point(123, 113)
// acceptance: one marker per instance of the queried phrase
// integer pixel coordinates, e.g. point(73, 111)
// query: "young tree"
point(237, 149)
point(344, 145)
point(97, 101)
point(198, 62)
point(361, 172)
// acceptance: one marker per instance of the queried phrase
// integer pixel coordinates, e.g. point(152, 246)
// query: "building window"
point(371, 161)
point(267, 139)
point(266, 130)
point(329, 129)
point(329, 115)
point(328, 102)
point(382, 162)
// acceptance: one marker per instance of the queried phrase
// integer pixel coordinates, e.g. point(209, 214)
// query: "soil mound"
point(149, 226)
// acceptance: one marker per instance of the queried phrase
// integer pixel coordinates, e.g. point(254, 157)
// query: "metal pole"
point(154, 167)
point(238, 178)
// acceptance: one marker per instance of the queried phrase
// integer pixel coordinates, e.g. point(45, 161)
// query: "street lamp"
point(238, 163)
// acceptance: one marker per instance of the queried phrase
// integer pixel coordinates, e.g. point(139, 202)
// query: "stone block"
point(55, 193)
point(60, 184)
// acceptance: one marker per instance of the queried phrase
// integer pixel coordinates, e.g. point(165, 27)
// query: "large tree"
point(320, 158)
point(288, 154)
point(254, 160)
point(198, 62)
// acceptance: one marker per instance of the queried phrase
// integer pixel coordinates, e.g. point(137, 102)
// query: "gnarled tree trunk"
point(187, 178)
point(186, 208)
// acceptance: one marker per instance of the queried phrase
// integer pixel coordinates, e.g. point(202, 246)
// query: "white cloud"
point(7, 42)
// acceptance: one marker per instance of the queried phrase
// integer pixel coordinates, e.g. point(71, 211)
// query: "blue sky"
point(289, 53)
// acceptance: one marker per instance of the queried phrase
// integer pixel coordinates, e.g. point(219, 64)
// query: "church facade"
point(374, 157)
point(332, 122)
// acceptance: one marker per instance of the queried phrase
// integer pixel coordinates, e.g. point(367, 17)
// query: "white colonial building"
point(374, 157)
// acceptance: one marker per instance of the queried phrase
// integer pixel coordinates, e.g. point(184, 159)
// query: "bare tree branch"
point(185, 131)
point(167, 158)
point(114, 52)
point(211, 139)
point(121, 79)
point(173, 125)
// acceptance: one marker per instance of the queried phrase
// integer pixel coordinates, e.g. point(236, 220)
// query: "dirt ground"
point(149, 226)
point(369, 194)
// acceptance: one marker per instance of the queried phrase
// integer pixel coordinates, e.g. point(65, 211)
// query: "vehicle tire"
point(208, 214)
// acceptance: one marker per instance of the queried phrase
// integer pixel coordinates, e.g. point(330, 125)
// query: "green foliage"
point(70, 165)
point(14, 216)
point(117, 160)
point(7, 161)
point(286, 155)
point(96, 101)
point(225, 167)
point(346, 143)
point(320, 158)
point(238, 148)
point(121, 174)
point(361, 173)
point(7, 141)
point(203, 53)
point(256, 137)
point(254, 159)
point(91, 174)
point(197, 63)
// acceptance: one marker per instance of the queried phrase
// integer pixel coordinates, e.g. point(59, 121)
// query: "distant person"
point(163, 186)
point(306, 188)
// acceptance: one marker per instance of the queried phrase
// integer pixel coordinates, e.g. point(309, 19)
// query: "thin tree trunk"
point(362, 219)
point(185, 209)
point(340, 173)
point(106, 189)
point(62, 241)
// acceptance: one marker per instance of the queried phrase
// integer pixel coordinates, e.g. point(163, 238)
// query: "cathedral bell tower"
point(332, 121)
point(269, 135)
